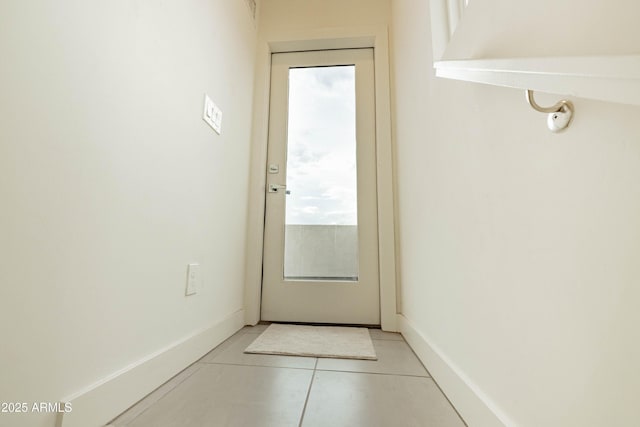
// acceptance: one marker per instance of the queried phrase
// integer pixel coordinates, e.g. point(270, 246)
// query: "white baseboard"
point(471, 403)
point(101, 402)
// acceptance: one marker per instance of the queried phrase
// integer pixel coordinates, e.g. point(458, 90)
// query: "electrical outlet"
point(193, 279)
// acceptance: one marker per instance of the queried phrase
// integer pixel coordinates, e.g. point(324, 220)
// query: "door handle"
point(275, 188)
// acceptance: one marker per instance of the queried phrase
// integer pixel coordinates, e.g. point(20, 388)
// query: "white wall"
point(277, 15)
point(111, 183)
point(520, 248)
point(502, 28)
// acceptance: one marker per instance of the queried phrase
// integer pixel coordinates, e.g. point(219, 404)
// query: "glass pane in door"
point(321, 226)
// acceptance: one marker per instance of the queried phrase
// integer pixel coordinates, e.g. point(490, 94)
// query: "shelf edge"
point(605, 78)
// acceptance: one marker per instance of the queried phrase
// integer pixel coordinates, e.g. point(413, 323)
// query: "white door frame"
point(300, 40)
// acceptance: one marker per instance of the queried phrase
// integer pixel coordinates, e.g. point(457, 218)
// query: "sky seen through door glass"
point(321, 147)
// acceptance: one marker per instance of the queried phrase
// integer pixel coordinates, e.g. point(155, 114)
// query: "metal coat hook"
point(560, 114)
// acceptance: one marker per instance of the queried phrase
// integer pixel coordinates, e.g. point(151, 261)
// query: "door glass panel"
point(321, 225)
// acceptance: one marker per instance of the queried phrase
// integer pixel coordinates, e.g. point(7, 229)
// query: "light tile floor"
point(229, 388)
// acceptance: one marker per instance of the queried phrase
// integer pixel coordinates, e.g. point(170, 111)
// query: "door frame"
point(375, 37)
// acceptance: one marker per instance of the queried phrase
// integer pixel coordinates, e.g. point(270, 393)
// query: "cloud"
point(321, 165)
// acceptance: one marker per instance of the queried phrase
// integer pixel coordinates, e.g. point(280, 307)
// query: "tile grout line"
point(315, 369)
point(306, 400)
point(436, 383)
point(257, 366)
point(375, 373)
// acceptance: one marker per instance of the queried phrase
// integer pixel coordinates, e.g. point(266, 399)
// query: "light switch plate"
point(193, 279)
point(212, 114)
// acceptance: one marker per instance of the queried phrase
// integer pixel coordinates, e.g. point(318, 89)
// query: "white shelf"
point(606, 78)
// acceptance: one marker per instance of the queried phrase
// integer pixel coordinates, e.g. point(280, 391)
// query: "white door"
point(321, 242)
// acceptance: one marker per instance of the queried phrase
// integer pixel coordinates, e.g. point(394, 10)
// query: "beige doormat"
point(315, 341)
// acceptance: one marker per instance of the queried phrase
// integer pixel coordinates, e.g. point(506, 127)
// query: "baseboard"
point(471, 403)
point(101, 402)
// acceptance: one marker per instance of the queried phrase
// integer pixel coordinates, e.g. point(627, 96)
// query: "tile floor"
point(229, 388)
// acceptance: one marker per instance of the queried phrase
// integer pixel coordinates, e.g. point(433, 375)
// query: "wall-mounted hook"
point(560, 114)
